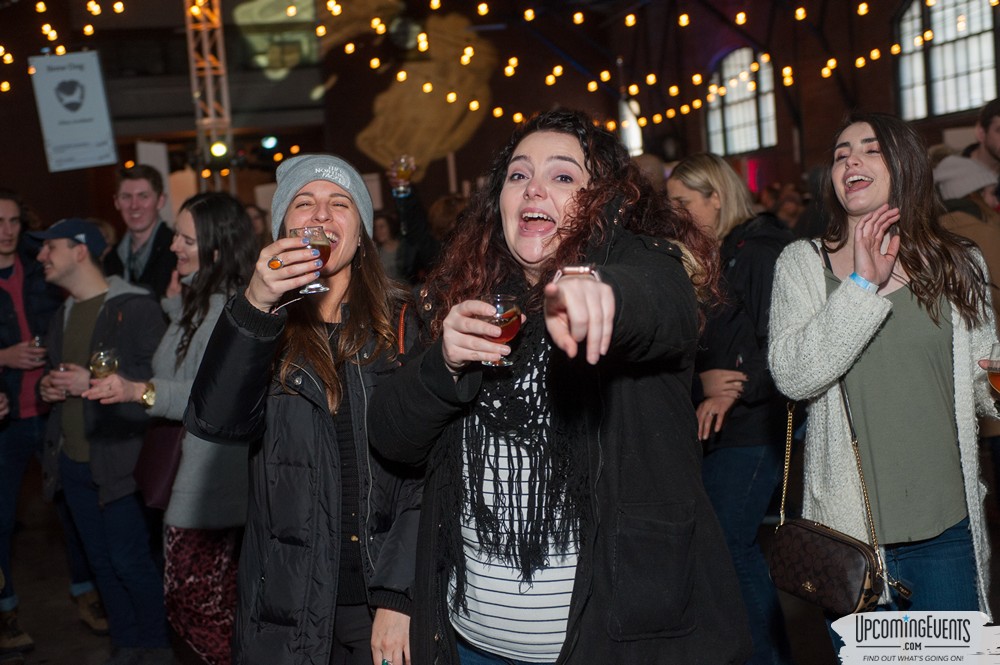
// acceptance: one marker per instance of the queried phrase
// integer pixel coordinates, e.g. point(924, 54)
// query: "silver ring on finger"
point(275, 263)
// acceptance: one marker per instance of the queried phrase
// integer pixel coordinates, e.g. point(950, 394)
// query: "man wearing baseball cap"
point(90, 449)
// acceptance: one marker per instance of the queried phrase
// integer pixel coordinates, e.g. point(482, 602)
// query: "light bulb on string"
point(684, 20)
point(895, 49)
point(291, 10)
point(875, 54)
point(657, 118)
point(800, 14)
point(401, 75)
point(518, 118)
point(529, 15)
point(633, 90)
point(557, 70)
point(673, 91)
point(451, 97)
point(349, 48)
point(474, 105)
point(642, 121)
point(435, 4)
point(428, 87)
point(605, 76)
point(860, 62)
point(40, 7)
point(509, 71)
point(577, 18)
point(550, 79)
point(685, 109)
point(88, 30)
point(592, 86)
point(741, 18)
point(483, 9)
point(630, 20)
point(321, 30)
point(862, 8)
point(118, 7)
point(671, 113)
point(650, 79)
point(696, 79)
point(497, 111)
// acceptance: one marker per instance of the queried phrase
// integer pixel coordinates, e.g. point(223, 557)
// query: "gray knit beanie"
point(956, 177)
point(298, 172)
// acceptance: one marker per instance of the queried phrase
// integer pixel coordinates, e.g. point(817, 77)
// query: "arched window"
point(741, 104)
point(947, 61)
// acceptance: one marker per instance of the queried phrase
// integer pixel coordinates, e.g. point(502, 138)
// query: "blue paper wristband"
point(863, 283)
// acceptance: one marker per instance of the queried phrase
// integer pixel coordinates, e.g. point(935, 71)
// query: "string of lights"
point(698, 93)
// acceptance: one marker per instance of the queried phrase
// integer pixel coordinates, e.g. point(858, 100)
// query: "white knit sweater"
point(813, 341)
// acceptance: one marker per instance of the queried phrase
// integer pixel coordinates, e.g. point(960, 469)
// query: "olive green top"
point(76, 349)
point(902, 394)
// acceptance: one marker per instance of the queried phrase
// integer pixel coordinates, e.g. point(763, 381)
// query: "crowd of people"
point(374, 464)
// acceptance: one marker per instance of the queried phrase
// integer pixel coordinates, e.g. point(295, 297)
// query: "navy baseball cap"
point(76, 229)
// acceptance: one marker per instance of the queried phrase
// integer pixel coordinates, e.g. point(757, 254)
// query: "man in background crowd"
point(143, 255)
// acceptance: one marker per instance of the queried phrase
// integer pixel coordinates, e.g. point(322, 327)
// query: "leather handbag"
point(159, 459)
point(823, 566)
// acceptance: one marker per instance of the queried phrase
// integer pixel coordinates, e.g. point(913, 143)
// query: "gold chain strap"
point(788, 460)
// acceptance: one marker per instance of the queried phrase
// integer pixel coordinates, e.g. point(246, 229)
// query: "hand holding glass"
point(402, 169)
point(319, 241)
point(507, 316)
point(103, 363)
point(993, 368)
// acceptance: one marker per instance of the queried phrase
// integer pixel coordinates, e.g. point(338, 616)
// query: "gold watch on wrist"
point(586, 269)
point(148, 398)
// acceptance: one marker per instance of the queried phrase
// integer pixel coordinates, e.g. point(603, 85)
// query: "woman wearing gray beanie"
point(327, 562)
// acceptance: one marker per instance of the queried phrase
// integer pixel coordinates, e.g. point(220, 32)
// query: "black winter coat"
point(654, 582)
point(289, 565)
point(735, 335)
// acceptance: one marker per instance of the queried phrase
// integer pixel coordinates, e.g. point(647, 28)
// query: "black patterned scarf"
point(514, 416)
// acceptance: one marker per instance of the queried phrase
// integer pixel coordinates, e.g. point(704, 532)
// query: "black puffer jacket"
point(289, 565)
point(735, 335)
point(654, 583)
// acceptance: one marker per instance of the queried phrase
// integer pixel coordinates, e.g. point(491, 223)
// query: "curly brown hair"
point(477, 260)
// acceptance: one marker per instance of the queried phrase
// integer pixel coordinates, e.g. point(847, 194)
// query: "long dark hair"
point(226, 254)
point(476, 259)
point(938, 262)
point(373, 301)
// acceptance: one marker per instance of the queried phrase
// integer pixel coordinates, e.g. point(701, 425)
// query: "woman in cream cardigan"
point(215, 248)
point(899, 308)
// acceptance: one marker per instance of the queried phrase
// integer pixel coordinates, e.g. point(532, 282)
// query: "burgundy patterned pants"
point(200, 588)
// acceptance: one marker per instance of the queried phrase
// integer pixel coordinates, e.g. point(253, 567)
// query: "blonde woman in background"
point(741, 415)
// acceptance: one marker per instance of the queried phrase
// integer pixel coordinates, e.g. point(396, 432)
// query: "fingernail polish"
point(315, 252)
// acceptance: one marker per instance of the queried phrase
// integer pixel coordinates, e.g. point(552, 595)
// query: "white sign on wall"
point(73, 111)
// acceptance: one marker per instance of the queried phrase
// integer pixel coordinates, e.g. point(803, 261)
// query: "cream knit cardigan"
point(813, 341)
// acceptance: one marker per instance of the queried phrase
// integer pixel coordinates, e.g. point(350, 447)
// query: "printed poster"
point(73, 111)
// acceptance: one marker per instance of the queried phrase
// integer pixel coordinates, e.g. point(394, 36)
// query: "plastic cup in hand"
point(317, 240)
point(402, 169)
point(103, 363)
point(507, 315)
